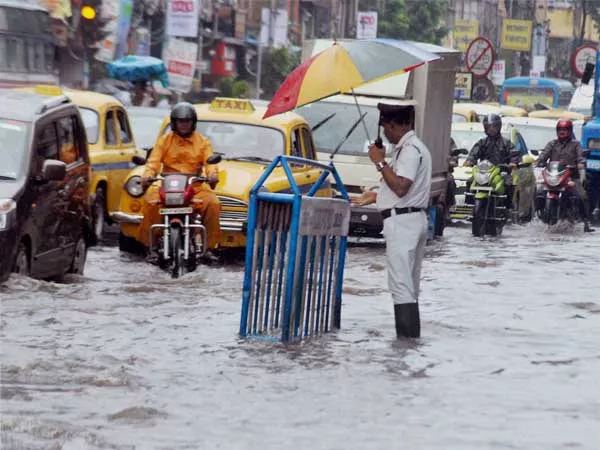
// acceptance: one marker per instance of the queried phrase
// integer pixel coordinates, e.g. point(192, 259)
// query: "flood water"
point(126, 358)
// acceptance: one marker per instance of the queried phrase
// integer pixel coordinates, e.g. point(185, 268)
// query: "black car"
point(45, 221)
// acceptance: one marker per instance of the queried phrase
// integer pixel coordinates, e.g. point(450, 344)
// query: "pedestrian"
point(402, 199)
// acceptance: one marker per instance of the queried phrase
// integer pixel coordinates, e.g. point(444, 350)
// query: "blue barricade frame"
point(295, 256)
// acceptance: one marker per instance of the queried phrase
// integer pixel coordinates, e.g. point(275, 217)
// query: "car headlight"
point(134, 186)
point(7, 208)
point(553, 180)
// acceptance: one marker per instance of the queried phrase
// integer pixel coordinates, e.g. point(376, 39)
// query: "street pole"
point(259, 68)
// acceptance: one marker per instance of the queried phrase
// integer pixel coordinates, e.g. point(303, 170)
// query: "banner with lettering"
point(180, 58)
point(182, 18)
point(516, 34)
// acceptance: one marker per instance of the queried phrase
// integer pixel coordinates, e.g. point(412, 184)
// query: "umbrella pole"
point(362, 118)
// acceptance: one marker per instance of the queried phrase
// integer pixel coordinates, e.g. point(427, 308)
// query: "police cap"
point(403, 114)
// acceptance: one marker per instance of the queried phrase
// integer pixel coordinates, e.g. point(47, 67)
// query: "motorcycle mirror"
point(459, 151)
point(138, 160)
point(214, 159)
point(534, 152)
point(586, 152)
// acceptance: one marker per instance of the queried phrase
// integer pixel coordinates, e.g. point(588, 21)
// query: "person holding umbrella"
point(403, 198)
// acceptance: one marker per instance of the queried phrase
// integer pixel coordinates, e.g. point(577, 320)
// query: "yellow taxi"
point(248, 144)
point(112, 147)
point(463, 113)
point(557, 114)
point(483, 109)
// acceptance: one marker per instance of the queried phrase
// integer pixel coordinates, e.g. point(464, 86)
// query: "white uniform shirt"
point(411, 159)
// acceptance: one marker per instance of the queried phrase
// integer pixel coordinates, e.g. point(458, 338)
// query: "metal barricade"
point(295, 255)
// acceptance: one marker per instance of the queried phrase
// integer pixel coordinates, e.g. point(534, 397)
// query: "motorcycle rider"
point(183, 150)
point(496, 149)
point(567, 149)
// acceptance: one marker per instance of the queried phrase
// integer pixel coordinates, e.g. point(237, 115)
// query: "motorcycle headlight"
point(134, 186)
point(482, 178)
point(174, 199)
point(553, 180)
point(7, 209)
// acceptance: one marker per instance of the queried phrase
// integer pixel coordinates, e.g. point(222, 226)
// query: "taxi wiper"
point(352, 128)
point(7, 177)
point(249, 158)
point(322, 122)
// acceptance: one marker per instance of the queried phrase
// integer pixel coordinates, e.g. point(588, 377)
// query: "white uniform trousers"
point(405, 237)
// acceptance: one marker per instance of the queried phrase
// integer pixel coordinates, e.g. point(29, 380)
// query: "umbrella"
point(138, 68)
point(343, 67)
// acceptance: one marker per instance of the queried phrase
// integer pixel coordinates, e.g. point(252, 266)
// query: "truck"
point(590, 137)
point(430, 88)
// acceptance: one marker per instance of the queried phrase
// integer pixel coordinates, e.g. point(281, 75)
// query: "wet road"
point(125, 358)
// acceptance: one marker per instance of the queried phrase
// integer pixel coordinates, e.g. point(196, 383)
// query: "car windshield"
point(333, 132)
point(467, 138)
point(145, 128)
point(91, 122)
point(242, 140)
point(536, 137)
point(13, 138)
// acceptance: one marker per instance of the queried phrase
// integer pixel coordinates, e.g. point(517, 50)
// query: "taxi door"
point(120, 148)
point(302, 146)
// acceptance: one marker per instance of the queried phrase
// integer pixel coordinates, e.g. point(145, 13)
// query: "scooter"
point(556, 200)
point(487, 194)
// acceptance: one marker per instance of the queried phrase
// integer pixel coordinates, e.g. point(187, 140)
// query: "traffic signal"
point(92, 24)
point(88, 12)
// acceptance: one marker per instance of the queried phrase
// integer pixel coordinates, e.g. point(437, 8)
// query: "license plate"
point(171, 211)
point(460, 201)
point(593, 164)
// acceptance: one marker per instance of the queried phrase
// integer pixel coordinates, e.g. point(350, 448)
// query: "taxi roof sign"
point(231, 105)
point(48, 89)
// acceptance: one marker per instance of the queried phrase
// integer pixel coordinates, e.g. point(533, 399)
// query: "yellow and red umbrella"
point(343, 67)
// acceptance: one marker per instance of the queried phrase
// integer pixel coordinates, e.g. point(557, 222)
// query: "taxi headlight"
point(7, 209)
point(134, 186)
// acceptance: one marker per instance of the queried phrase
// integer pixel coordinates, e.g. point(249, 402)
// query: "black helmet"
point(492, 121)
point(183, 111)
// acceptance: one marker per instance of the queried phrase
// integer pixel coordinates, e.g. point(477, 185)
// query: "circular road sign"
point(581, 56)
point(480, 56)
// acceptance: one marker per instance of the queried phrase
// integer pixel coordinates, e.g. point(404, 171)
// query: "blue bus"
point(526, 92)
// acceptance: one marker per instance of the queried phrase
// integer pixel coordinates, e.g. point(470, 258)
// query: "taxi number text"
point(170, 211)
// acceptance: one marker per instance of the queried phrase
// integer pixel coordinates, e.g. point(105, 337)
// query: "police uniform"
point(405, 222)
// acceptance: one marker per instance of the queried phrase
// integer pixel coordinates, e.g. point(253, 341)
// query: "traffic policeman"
point(402, 199)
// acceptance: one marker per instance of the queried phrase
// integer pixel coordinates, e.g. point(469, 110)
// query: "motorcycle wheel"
point(177, 263)
point(478, 223)
point(551, 211)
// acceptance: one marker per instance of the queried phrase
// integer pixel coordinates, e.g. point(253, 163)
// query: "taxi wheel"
point(79, 257)
point(99, 214)
point(22, 266)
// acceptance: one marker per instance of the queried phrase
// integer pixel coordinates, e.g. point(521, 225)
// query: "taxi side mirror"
point(138, 160)
point(214, 159)
point(54, 170)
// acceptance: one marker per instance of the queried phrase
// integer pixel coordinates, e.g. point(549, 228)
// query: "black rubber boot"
point(408, 322)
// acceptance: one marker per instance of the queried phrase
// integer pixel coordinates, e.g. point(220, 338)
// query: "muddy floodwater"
point(126, 358)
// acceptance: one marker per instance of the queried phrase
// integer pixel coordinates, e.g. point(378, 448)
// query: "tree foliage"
point(414, 20)
point(277, 63)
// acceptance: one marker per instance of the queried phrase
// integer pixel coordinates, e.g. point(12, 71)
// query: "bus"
point(27, 46)
point(526, 92)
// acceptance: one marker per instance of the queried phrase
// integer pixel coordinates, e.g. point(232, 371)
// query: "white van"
point(351, 160)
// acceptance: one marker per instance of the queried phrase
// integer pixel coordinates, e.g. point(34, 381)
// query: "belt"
point(388, 212)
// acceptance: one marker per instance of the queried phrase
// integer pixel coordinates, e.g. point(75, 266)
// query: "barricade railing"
point(295, 255)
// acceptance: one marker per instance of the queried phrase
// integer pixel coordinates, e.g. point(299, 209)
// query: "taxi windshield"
point(13, 139)
point(91, 122)
point(242, 140)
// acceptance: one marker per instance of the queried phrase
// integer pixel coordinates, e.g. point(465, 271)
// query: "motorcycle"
point(556, 200)
point(183, 240)
point(487, 194)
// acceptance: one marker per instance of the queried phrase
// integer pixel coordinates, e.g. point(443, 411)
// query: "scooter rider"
point(565, 148)
point(496, 149)
point(183, 150)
